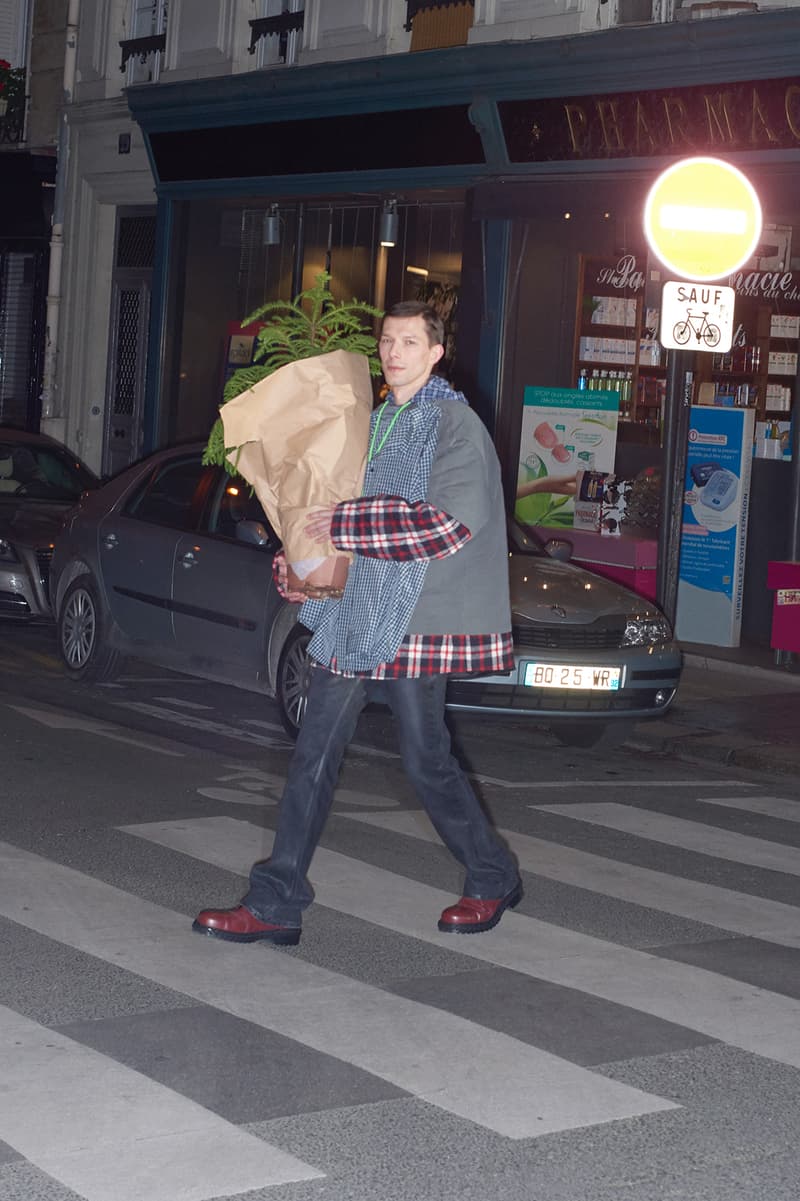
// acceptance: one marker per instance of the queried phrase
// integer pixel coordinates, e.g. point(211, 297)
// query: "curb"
point(708, 747)
point(782, 675)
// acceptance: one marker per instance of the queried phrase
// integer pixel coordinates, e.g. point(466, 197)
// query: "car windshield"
point(28, 469)
point(522, 541)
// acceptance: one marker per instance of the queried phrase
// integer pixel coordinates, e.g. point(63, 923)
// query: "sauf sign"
point(702, 220)
point(697, 316)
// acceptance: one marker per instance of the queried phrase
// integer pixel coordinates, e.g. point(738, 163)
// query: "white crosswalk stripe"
point(680, 832)
point(740, 913)
point(524, 1093)
point(742, 1015)
point(132, 1138)
point(769, 806)
point(129, 1138)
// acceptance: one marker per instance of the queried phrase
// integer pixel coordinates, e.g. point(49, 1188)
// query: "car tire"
point(588, 734)
point(291, 684)
point(83, 634)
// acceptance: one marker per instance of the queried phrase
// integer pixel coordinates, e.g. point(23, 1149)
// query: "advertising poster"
point(714, 531)
point(564, 431)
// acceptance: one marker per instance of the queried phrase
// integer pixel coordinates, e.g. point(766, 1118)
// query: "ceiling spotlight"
point(417, 271)
point(271, 234)
point(390, 223)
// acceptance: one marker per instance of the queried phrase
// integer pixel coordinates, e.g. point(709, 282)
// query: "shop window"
point(142, 51)
point(435, 24)
point(276, 34)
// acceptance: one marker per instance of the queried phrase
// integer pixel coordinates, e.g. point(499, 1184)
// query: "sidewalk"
point(734, 707)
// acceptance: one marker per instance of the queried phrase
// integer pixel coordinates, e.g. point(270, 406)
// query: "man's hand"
point(318, 524)
point(281, 578)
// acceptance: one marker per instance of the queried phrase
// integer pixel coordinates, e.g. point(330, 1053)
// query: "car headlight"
point(7, 552)
point(645, 631)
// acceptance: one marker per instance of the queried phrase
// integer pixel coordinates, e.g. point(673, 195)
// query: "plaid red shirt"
point(389, 527)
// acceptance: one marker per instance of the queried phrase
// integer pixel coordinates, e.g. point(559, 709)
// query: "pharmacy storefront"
point(519, 174)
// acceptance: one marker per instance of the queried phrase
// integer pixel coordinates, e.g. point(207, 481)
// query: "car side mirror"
point(559, 548)
point(254, 532)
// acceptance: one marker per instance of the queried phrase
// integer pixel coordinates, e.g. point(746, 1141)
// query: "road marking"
point(236, 796)
point(740, 913)
point(769, 806)
point(109, 1133)
point(680, 832)
point(617, 784)
point(67, 721)
point(737, 1013)
point(194, 722)
point(270, 787)
point(476, 1073)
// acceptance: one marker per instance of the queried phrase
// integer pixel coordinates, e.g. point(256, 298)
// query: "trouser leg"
point(279, 890)
point(444, 790)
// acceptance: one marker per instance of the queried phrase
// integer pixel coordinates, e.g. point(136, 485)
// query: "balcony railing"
point(12, 108)
point(280, 26)
point(142, 48)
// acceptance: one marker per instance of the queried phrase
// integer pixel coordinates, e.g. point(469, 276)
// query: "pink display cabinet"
point(783, 578)
point(627, 558)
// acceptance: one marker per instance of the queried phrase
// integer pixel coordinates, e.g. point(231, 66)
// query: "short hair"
point(434, 326)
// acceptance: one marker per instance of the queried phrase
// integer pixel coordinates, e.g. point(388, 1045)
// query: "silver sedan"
point(172, 562)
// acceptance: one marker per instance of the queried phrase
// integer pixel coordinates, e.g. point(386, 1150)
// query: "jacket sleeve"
point(389, 527)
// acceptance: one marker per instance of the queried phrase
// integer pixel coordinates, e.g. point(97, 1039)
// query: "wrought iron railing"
point(142, 48)
point(12, 106)
point(280, 26)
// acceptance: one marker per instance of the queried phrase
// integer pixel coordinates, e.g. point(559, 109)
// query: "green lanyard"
point(372, 449)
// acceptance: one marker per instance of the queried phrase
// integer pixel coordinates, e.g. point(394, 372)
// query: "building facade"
point(222, 154)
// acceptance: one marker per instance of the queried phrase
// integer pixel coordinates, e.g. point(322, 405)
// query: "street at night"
point(631, 1030)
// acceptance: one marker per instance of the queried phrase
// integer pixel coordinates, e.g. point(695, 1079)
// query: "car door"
point(137, 545)
point(223, 596)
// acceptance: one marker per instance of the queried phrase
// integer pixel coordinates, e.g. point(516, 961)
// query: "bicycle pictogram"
point(696, 324)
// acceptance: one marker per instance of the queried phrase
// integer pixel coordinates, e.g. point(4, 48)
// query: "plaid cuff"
point(389, 527)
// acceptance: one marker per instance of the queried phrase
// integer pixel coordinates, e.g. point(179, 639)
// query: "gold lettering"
point(718, 117)
point(577, 122)
point(643, 133)
point(676, 115)
point(609, 123)
point(759, 114)
point(792, 119)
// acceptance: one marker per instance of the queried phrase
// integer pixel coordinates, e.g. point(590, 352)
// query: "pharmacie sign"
point(718, 119)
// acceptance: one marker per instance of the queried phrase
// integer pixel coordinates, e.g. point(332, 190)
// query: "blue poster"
point(714, 529)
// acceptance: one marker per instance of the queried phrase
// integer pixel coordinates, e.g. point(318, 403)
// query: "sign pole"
point(677, 404)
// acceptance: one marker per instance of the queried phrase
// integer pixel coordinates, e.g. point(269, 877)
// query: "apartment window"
point(142, 51)
point(277, 33)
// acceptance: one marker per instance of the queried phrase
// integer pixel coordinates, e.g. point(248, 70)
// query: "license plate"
point(561, 675)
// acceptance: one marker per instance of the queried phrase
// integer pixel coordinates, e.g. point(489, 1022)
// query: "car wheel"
point(292, 682)
point(587, 734)
point(82, 634)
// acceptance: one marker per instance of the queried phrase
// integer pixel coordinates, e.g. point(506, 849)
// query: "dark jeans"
point(279, 890)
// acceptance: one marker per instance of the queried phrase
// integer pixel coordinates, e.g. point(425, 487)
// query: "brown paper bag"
point(302, 436)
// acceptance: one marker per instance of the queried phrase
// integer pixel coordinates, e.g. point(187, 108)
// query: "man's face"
point(407, 356)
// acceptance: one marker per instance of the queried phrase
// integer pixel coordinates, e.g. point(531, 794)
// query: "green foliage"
point(311, 324)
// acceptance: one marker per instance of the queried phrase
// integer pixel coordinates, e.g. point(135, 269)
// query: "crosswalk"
point(510, 1035)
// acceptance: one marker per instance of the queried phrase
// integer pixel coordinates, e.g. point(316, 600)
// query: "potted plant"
point(295, 424)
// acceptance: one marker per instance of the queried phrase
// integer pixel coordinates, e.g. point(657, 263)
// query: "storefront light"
point(390, 224)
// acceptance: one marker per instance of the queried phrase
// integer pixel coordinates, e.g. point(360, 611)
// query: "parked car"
point(171, 562)
point(39, 481)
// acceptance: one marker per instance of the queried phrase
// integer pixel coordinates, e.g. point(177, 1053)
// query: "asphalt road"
point(630, 1032)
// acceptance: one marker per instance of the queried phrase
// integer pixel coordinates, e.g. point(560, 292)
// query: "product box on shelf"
point(783, 326)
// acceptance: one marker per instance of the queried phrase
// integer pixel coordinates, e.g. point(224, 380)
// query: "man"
point(426, 597)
